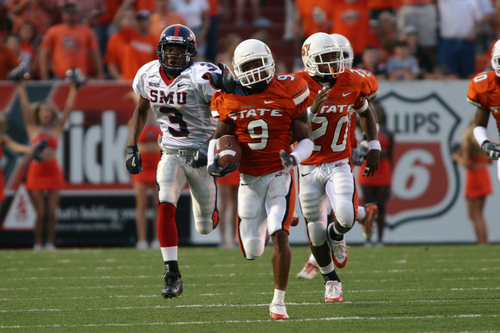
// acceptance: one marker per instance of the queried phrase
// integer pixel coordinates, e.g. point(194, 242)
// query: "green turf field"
point(440, 288)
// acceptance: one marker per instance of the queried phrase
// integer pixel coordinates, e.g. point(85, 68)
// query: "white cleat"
point(278, 311)
point(309, 271)
point(333, 291)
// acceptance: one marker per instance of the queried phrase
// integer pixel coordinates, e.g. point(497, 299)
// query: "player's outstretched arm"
point(369, 126)
point(223, 81)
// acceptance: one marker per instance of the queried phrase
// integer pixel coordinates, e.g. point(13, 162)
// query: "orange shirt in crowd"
point(8, 61)
point(158, 22)
point(316, 15)
point(130, 51)
point(352, 21)
point(34, 12)
point(69, 47)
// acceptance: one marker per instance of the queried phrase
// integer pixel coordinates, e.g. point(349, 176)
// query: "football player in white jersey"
point(180, 98)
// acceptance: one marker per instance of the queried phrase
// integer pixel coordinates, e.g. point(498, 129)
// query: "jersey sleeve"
point(139, 85)
point(300, 97)
point(365, 89)
point(473, 95)
point(217, 106)
point(374, 83)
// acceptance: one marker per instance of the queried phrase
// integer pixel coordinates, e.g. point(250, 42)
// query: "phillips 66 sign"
point(426, 180)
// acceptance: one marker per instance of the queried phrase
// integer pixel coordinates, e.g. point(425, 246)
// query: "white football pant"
point(172, 175)
point(332, 181)
point(271, 196)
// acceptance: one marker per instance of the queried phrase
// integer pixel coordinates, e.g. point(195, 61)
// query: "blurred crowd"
point(111, 39)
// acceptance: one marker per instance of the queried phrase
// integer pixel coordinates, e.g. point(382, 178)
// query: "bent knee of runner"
point(317, 233)
point(345, 214)
point(253, 248)
point(204, 227)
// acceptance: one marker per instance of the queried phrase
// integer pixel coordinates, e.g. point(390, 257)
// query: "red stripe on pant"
point(167, 229)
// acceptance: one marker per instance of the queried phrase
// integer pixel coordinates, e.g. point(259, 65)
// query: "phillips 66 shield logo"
point(425, 179)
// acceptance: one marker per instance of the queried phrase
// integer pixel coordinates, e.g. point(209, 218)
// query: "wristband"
point(481, 135)
point(374, 145)
point(302, 150)
point(210, 151)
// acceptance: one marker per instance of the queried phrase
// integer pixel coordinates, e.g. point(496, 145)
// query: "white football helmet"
point(495, 58)
point(251, 50)
point(347, 50)
point(322, 55)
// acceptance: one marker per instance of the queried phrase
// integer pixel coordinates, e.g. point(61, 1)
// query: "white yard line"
point(378, 318)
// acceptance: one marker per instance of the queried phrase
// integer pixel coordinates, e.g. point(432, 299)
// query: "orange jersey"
point(331, 125)
point(262, 121)
point(70, 47)
point(315, 15)
point(484, 92)
point(352, 21)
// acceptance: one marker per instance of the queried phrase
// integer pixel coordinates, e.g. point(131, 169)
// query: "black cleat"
point(173, 285)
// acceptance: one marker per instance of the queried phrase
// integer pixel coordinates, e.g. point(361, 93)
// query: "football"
point(229, 150)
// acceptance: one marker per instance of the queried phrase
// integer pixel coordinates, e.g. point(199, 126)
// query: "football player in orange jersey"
point(260, 113)
point(326, 174)
point(484, 92)
point(366, 214)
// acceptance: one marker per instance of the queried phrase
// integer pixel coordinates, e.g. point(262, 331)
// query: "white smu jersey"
point(182, 108)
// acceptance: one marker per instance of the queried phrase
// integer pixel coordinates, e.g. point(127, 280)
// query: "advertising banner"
point(97, 203)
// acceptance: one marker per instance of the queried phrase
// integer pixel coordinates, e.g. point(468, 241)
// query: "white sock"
point(279, 296)
point(327, 269)
point(169, 253)
point(336, 231)
point(361, 213)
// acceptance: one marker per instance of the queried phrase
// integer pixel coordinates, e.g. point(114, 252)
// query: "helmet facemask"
point(328, 63)
point(262, 72)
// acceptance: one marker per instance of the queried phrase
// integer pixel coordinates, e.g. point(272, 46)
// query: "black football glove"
point(40, 146)
point(288, 160)
point(75, 76)
point(217, 171)
point(200, 158)
point(491, 149)
point(134, 160)
point(224, 81)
